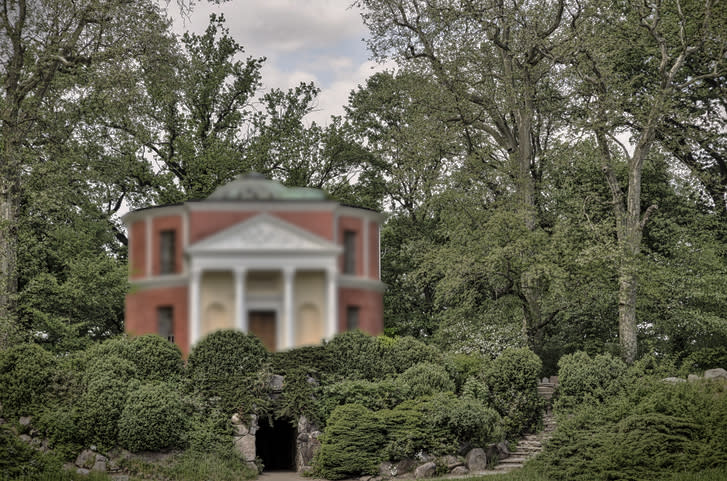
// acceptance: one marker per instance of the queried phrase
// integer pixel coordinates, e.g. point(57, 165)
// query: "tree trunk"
point(9, 190)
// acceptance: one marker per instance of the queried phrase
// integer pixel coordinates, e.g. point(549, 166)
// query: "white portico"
point(264, 276)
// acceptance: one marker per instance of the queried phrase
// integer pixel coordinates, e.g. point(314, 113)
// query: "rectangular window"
point(165, 322)
point(352, 314)
point(349, 252)
point(167, 252)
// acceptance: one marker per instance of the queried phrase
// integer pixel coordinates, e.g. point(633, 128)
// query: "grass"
point(530, 474)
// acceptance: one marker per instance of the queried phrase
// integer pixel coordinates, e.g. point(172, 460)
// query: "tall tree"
point(636, 62)
point(42, 41)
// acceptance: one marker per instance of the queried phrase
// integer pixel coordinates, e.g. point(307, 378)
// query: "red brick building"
point(285, 264)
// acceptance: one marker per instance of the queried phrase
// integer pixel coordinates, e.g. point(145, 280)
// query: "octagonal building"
point(285, 264)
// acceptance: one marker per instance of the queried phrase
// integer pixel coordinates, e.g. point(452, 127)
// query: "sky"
point(303, 41)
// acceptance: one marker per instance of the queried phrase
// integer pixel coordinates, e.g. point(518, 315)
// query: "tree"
point(635, 62)
point(46, 45)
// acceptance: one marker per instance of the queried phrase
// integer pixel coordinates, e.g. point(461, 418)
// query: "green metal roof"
point(256, 187)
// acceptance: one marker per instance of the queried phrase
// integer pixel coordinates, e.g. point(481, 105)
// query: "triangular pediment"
point(263, 233)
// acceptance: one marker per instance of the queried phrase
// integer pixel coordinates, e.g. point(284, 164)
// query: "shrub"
point(299, 397)
point(61, 425)
point(705, 358)
point(401, 353)
point(467, 420)
point(647, 431)
point(407, 431)
point(374, 395)
point(354, 355)
point(314, 359)
point(225, 364)
point(462, 367)
point(351, 444)
point(26, 376)
point(582, 378)
point(425, 379)
point(153, 418)
point(156, 358)
point(104, 400)
point(512, 381)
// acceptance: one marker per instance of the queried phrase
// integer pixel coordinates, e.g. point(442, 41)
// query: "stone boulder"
point(476, 460)
point(674, 380)
point(717, 373)
point(460, 471)
point(426, 470)
point(405, 466)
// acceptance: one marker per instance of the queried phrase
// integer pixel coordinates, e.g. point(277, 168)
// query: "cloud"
point(303, 41)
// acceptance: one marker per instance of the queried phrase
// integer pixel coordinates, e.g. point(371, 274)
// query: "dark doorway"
point(275, 444)
point(262, 324)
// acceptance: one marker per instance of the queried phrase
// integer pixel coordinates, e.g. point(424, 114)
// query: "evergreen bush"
point(351, 445)
point(703, 359)
point(314, 359)
point(462, 367)
point(512, 381)
point(425, 379)
point(646, 431)
point(354, 355)
point(374, 395)
point(226, 365)
point(156, 358)
point(101, 405)
point(401, 353)
point(585, 379)
point(27, 372)
point(466, 420)
point(153, 418)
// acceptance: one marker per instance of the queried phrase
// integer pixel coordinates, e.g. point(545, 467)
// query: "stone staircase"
point(531, 444)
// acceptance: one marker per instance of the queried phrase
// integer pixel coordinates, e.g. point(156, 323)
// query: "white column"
point(195, 325)
point(147, 250)
point(288, 339)
point(240, 304)
point(366, 247)
point(332, 303)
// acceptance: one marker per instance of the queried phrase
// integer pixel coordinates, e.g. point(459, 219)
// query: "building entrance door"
point(262, 325)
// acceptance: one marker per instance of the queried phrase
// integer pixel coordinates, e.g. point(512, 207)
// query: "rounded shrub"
point(224, 365)
point(153, 418)
point(467, 420)
point(156, 358)
point(351, 443)
point(512, 381)
point(582, 378)
point(355, 355)
point(425, 379)
point(401, 353)
point(462, 367)
point(26, 377)
point(101, 407)
point(374, 395)
point(313, 359)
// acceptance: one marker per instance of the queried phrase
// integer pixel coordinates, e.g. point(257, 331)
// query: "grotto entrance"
point(275, 444)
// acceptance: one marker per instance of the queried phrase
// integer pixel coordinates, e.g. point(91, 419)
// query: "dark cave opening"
point(275, 444)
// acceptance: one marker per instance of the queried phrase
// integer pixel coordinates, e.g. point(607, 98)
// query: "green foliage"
point(465, 420)
point(108, 383)
point(299, 397)
point(27, 372)
point(355, 355)
point(585, 379)
point(512, 382)
point(153, 418)
point(374, 395)
point(649, 430)
point(314, 359)
point(351, 443)
point(406, 430)
point(226, 364)
point(462, 367)
point(425, 379)
point(401, 353)
point(62, 426)
point(703, 359)
point(156, 358)
point(20, 461)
